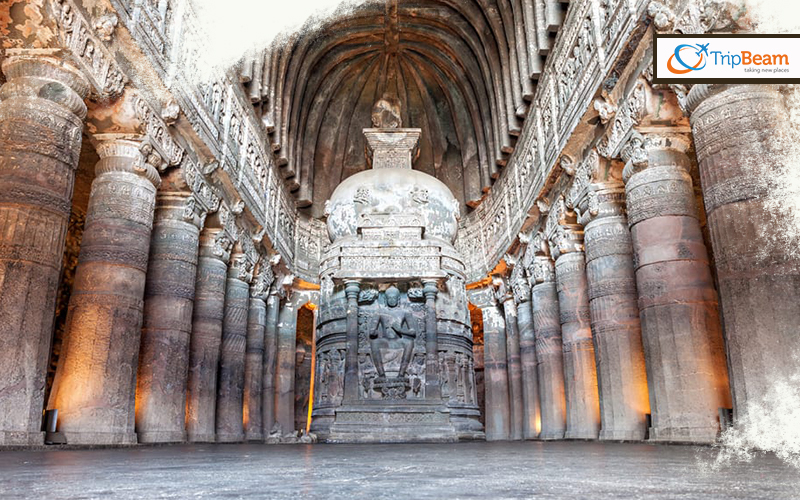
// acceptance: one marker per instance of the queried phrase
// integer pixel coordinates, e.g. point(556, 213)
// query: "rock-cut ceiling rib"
point(463, 71)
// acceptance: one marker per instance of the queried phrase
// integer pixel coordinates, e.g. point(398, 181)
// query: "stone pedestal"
point(204, 348)
point(744, 148)
point(515, 398)
point(600, 194)
point(284, 373)
point(270, 357)
point(94, 386)
point(580, 372)
point(531, 413)
point(230, 387)
point(677, 301)
point(549, 349)
point(41, 119)
point(498, 414)
point(167, 326)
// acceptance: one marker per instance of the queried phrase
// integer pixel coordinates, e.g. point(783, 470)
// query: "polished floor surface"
point(348, 472)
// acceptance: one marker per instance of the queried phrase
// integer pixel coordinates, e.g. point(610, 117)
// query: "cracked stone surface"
point(464, 470)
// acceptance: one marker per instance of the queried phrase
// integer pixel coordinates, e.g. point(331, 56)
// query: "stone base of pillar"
point(550, 436)
point(581, 434)
point(161, 436)
point(621, 435)
point(230, 438)
point(201, 438)
point(254, 437)
point(19, 438)
point(100, 438)
point(698, 435)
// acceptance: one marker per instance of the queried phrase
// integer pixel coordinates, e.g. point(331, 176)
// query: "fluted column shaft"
point(41, 119)
point(270, 357)
point(531, 416)
point(514, 366)
point(230, 389)
point(549, 350)
point(580, 371)
point(167, 324)
point(352, 289)
point(621, 372)
point(495, 372)
point(204, 346)
point(254, 368)
point(285, 372)
point(686, 366)
point(94, 386)
point(745, 150)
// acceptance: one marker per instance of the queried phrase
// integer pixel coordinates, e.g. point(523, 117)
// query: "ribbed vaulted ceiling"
point(463, 71)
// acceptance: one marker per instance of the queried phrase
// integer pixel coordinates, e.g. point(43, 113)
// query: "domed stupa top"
point(391, 193)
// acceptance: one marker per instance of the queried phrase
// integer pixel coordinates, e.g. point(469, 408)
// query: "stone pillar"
point(599, 193)
point(254, 353)
point(167, 325)
point(41, 119)
point(433, 389)
point(677, 301)
point(580, 373)
point(515, 404)
point(352, 289)
point(230, 389)
point(94, 386)
point(270, 355)
point(531, 415)
point(744, 148)
point(204, 347)
point(284, 376)
point(497, 415)
point(547, 333)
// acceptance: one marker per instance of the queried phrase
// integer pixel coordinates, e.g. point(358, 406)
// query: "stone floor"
point(469, 470)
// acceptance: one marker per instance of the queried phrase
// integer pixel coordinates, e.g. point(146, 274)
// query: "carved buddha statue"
point(391, 327)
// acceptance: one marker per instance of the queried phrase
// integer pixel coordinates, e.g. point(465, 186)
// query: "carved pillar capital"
point(351, 289)
point(520, 287)
point(132, 116)
point(597, 190)
point(241, 267)
point(563, 231)
point(263, 278)
point(45, 74)
point(644, 150)
point(126, 153)
point(430, 289)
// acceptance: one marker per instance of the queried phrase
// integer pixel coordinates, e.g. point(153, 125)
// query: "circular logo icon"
point(693, 54)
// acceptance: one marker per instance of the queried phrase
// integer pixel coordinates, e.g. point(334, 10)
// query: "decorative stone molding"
point(78, 35)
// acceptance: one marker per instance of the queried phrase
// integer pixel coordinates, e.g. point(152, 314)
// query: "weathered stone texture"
point(94, 387)
point(580, 373)
point(284, 375)
point(549, 351)
point(204, 347)
point(41, 113)
point(622, 378)
point(498, 421)
point(531, 412)
point(254, 369)
point(514, 366)
point(167, 325)
point(230, 387)
point(681, 332)
point(744, 146)
point(270, 358)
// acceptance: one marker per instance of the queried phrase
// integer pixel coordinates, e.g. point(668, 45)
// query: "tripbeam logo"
point(699, 50)
point(726, 58)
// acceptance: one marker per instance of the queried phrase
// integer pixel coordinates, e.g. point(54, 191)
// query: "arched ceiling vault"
point(463, 71)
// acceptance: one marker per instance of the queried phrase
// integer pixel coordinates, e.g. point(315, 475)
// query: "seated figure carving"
point(391, 327)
